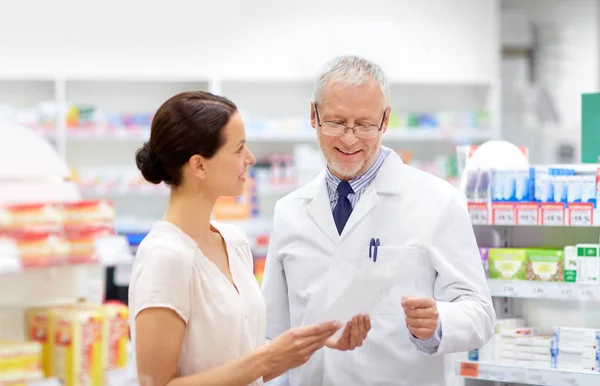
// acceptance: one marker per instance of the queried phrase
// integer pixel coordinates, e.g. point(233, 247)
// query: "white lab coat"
point(416, 216)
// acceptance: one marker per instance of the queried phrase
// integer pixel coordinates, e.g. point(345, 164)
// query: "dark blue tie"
point(343, 208)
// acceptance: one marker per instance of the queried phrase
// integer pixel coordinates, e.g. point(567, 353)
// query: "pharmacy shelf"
point(544, 290)
point(101, 135)
point(523, 375)
point(390, 135)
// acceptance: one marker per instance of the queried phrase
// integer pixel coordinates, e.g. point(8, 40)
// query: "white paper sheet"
point(366, 290)
point(361, 295)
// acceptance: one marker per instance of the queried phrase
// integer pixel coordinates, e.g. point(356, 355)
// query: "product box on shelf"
point(116, 335)
point(540, 195)
point(571, 264)
point(588, 263)
point(78, 342)
point(48, 234)
point(576, 349)
point(484, 252)
point(20, 361)
point(507, 263)
point(545, 264)
point(39, 328)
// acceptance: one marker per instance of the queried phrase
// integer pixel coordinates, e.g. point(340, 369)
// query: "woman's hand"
point(294, 347)
point(353, 336)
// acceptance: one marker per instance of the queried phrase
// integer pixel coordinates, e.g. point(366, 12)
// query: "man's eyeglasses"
point(338, 129)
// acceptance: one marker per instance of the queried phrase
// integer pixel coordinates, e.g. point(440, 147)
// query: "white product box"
point(583, 361)
point(575, 339)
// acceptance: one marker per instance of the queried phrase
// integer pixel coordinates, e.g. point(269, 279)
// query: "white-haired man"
point(367, 209)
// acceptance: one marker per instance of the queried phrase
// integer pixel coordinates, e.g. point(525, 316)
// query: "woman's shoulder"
point(231, 233)
point(164, 242)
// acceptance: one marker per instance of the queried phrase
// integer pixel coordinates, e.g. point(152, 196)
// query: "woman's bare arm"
point(159, 334)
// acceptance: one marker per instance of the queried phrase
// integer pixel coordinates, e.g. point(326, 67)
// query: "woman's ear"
point(197, 166)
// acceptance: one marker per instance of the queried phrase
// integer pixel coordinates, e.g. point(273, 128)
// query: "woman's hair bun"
point(149, 164)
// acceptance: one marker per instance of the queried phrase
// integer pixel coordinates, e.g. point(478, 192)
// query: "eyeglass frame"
point(346, 128)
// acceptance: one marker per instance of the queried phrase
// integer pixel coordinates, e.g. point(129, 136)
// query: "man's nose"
point(349, 138)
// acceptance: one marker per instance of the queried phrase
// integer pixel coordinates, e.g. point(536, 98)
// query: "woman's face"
point(226, 171)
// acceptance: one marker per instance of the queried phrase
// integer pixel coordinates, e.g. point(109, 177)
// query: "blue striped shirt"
point(359, 184)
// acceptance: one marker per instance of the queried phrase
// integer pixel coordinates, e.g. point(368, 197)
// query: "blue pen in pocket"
point(373, 246)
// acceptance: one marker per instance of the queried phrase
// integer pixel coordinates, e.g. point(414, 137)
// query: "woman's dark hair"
point(187, 124)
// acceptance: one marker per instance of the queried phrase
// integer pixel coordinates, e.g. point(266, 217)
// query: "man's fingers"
point(354, 332)
point(430, 313)
point(417, 302)
point(421, 323)
point(367, 324)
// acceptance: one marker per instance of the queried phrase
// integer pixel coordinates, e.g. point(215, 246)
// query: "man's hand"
point(353, 336)
point(421, 316)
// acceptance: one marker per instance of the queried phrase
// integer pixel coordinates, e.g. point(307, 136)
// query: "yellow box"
point(78, 344)
point(20, 361)
point(116, 335)
point(39, 329)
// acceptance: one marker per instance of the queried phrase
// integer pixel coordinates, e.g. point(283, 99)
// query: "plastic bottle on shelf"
point(574, 187)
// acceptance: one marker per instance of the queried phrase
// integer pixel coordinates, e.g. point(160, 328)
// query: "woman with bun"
point(197, 314)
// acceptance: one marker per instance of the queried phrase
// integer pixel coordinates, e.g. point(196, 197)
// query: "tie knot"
point(344, 188)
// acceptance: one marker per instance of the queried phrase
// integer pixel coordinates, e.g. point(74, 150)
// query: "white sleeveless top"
point(221, 324)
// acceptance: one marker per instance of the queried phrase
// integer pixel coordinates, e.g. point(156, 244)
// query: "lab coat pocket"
point(401, 266)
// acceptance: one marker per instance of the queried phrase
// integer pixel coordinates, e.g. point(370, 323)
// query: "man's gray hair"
point(352, 70)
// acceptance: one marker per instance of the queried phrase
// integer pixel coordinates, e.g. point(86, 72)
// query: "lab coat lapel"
point(367, 201)
point(319, 210)
point(387, 182)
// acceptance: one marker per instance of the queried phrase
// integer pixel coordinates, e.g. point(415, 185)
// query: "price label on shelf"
point(479, 213)
point(553, 214)
point(509, 290)
point(536, 377)
point(527, 214)
point(516, 375)
point(539, 292)
point(504, 214)
point(568, 292)
point(469, 370)
point(568, 379)
point(581, 215)
point(587, 293)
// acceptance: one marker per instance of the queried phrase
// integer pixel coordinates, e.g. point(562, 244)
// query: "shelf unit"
point(521, 375)
point(542, 304)
point(286, 100)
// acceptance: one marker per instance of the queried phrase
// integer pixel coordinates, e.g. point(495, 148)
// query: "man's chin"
point(346, 173)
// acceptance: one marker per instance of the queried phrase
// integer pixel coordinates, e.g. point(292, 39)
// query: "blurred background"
point(86, 78)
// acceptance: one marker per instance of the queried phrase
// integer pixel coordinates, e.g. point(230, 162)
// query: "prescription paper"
point(365, 291)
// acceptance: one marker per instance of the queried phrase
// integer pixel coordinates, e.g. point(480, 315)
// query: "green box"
point(507, 263)
point(545, 264)
point(571, 264)
point(588, 261)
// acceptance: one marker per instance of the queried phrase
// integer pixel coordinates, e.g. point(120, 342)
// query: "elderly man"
point(366, 199)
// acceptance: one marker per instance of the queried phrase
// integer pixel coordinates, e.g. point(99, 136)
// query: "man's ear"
point(313, 117)
point(387, 113)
